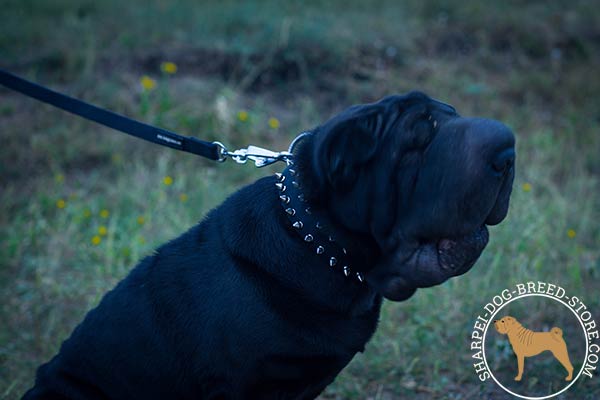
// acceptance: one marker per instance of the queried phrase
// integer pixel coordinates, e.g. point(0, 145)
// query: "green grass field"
point(81, 203)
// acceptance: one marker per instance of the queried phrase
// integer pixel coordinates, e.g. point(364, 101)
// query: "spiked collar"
point(311, 225)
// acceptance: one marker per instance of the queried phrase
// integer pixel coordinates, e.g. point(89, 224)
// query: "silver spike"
point(284, 198)
point(295, 184)
point(290, 211)
point(308, 238)
point(308, 210)
point(280, 186)
point(344, 250)
point(318, 225)
point(359, 277)
point(298, 224)
point(434, 124)
point(346, 270)
point(320, 250)
point(331, 239)
point(332, 261)
point(292, 172)
point(301, 197)
point(279, 176)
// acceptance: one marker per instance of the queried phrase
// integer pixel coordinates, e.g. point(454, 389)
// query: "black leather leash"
point(211, 150)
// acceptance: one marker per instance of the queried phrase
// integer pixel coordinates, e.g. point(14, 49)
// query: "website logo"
point(535, 341)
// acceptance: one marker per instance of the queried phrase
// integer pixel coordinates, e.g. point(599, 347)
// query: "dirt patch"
point(315, 67)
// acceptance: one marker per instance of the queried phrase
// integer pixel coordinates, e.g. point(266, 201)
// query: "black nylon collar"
point(311, 226)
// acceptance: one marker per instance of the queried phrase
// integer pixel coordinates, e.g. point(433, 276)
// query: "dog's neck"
point(338, 248)
point(518, 334)
point(298, 275)
point(517, 331)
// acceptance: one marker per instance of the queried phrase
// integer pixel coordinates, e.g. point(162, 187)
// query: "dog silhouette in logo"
point(527, 343)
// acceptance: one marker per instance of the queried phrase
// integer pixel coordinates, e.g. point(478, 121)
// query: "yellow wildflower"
point(104, 213)
point(167, 180)
point(168, 67)
point(87, 213)
point(243, 116)
point(183, 197)
point(147, 82)
point(96, 240)
point(141, 220)
point(102, 230)
point(273, 122)
point(571, 233)
point(61, 204)
point(526, 187)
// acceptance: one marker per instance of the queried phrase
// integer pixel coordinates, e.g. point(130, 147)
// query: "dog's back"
point(194, 320)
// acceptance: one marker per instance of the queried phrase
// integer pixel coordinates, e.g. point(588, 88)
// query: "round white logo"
point(535, 341)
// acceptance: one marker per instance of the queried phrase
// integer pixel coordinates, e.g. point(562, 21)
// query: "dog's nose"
point(489, 141)
point(501, 142)
point(504, 160)
point(495, 143)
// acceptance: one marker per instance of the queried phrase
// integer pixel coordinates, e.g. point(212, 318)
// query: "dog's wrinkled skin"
point(240, 307)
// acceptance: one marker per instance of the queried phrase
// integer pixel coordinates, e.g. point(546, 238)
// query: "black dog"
point(276, 290)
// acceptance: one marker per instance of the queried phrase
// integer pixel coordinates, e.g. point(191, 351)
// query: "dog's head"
point(504, 324)
point(418, 179)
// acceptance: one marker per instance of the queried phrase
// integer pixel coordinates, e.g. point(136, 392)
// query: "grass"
point(530, 64)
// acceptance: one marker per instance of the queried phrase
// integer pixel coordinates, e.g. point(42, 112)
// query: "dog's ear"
point(344, 145)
